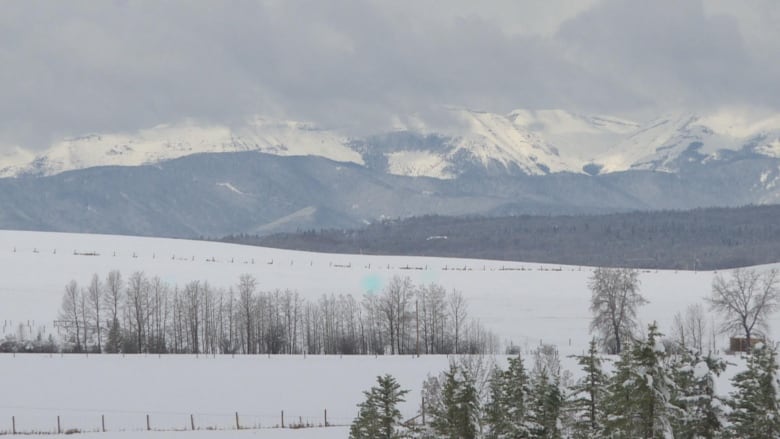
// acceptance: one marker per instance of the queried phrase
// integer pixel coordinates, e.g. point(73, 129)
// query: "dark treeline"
point(701, 239)
point(141, 314)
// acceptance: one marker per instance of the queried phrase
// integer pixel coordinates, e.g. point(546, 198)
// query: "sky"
point(78, 67)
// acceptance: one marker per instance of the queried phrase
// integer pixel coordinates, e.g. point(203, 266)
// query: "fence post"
point(192, 422)
point(282, 418)
point(59, 430)
point(13, 424)
point(148, 425)
point(326, 417)
point(103, 422)
point(238, 426)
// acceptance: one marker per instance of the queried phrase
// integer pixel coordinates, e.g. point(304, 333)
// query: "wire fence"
point(43, 420)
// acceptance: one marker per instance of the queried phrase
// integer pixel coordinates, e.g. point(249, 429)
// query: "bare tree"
point(745, 301)
point(69, 312)
point(394, 306)
point(138, 306)
point(614, 302)
point(433, 317)
point(85, 318)
point(458, 315)
point(158, 311)
point(690, 328)
point(246, 305)
point(94, 300)
point(112, 298)
point(192, 302)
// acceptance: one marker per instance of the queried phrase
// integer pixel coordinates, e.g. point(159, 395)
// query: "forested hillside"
point(700, 239)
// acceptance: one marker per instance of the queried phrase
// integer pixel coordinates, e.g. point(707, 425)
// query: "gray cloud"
point(77, 67)
point(670, 51)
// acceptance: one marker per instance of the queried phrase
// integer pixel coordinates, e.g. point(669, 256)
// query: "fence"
point(83, 421)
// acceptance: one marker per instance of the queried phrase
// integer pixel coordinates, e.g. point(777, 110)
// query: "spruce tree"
point(378, 416)
point(457, 417)
point(586, 398)
point(506, 411)
point(496, 417)
point(618, 413)
point(755, 411)
point(639, 404)
point(546, 400)
point(701, 409)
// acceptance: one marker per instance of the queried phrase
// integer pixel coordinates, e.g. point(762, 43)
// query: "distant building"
point(739, 344)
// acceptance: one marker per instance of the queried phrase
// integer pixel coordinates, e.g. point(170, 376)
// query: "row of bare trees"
point(145, 314)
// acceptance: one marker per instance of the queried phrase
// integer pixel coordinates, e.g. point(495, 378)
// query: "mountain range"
point(190, 179)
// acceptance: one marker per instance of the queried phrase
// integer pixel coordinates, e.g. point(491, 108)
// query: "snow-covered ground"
point(176, 390)
point(169, 389)
point(523, 302)
point(306, 433)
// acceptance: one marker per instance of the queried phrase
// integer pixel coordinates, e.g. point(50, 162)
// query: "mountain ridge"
point(522, 142)
point(218, 194)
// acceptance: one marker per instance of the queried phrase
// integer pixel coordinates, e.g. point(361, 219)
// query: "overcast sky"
point(75, 67)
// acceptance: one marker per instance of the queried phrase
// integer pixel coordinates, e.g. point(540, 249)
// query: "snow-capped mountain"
point(165, 142)
point(523, 142)
point(581, 137)
point(671, 142)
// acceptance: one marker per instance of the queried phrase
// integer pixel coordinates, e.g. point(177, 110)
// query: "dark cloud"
point(76, 67)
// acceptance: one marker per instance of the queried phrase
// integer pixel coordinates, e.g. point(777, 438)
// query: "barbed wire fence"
point(50, 420)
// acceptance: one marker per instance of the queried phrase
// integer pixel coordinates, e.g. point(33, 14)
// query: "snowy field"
point(170, 389)
point(523, 302)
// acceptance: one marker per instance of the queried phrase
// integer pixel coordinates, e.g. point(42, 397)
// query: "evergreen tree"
point(640, 392)
point(457, 417)
point(546, 400)
point(586, 398)
point(496, 418)
point(366, 425)
point(617, 413)
point(755, 410)
point(702, 414)
point(378, 416)
point(506, 410)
